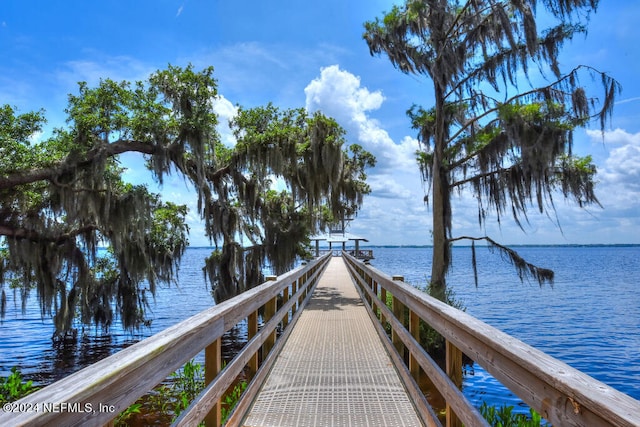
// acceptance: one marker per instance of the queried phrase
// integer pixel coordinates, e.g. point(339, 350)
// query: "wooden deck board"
point(333, 370)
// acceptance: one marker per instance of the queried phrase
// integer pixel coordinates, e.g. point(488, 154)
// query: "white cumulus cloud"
point(396, 199)
point(619, 184)
point(339, 94)
point(622, 167)
point(226, 111)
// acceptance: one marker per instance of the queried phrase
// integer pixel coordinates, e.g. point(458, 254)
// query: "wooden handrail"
point(563, 395)
point(95, 395)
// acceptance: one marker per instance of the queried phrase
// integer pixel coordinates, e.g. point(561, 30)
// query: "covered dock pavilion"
point(340, 240)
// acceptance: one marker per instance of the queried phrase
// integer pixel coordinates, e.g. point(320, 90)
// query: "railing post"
point(454, 371)
point(375, 303)
point(285, 299)
point(414, 330)
point(270, 309)
point(398, 312)
point(305, 289)
point(252, 329)
point(383, 297)
point(212, 366)
point(296, 286)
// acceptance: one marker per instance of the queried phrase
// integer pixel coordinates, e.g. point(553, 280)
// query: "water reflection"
point(233, 340)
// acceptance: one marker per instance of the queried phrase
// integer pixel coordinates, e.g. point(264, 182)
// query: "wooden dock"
point(333, 369)
point(320, 355)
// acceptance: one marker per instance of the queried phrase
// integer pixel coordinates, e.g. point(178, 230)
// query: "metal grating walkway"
point(333, 370)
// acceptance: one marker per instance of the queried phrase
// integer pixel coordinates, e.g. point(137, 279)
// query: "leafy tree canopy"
point(62, 198)
point(492, 131)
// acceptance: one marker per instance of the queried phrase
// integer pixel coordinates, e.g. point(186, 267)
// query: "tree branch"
point(69, 163)
point(525, 269)
point(35, 236)
point(483, 175)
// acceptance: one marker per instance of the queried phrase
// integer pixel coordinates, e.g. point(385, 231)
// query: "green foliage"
point(584, 164)
point(125, 416)
point(231, 399)
point(186, 385)
point(14, 387)
point(167, 401)
point(16, 131)
point(505, 417)
point(295, 176)
point(509, 143)
point(62, 197)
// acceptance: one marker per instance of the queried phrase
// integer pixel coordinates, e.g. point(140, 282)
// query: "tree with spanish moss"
point(323, 181)
point(491, 131)
point(62, 198)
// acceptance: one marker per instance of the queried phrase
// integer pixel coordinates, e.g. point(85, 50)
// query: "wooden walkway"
point(334, 369)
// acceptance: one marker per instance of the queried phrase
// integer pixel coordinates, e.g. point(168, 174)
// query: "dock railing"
point(563, 395)
point(95, 395)
point(361, 254)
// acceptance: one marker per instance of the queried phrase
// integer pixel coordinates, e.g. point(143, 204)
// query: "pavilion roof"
point(337, 237)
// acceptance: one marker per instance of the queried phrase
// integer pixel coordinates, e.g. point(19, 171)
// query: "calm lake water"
point(589, 319)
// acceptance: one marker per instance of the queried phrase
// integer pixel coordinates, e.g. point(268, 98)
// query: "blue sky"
point(311, 54)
